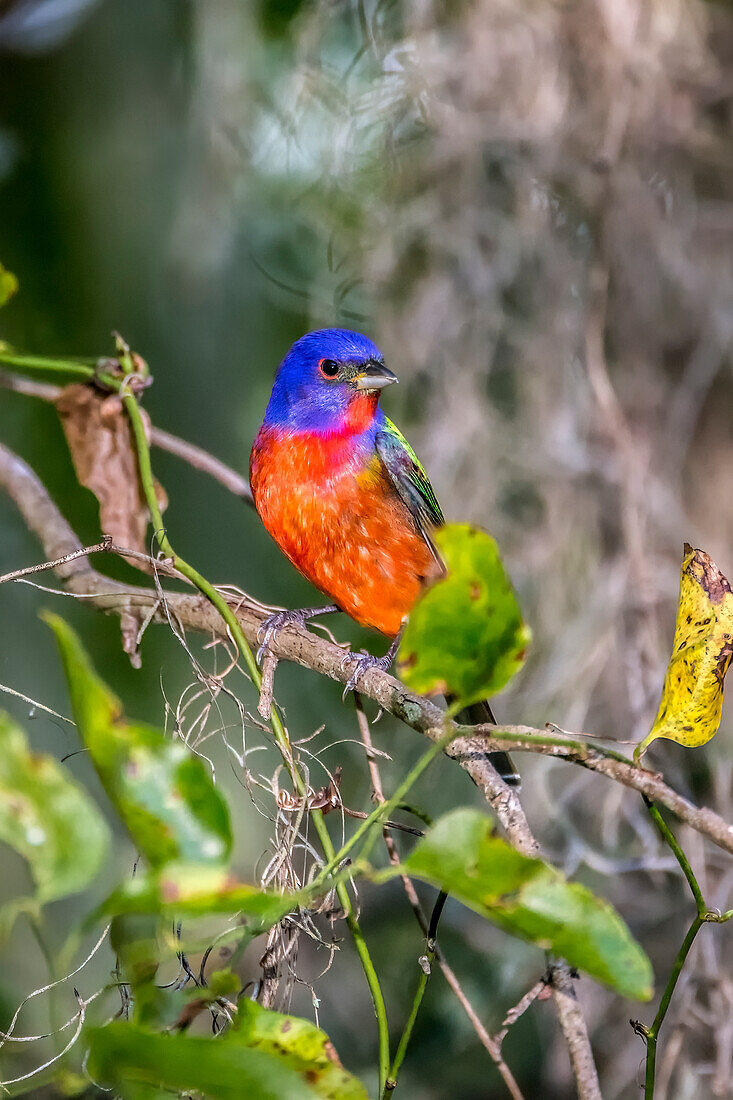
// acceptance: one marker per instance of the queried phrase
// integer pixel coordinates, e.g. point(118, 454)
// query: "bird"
point(345, 497)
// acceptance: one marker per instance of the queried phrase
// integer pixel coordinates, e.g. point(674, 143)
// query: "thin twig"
point(704, 915)
point(35, 705)
point(537, 990)
point(426, 964)
point(99, 548)
point(360, 815)
point(575, 1031)
point(29, 387)
point(202, 460)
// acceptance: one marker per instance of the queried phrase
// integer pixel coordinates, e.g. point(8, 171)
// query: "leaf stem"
point(73, 371)
point(651, 1033)
point(35, 919)
point(32, 364)
point(426, 962)
point(704, 916)
point(679, 855)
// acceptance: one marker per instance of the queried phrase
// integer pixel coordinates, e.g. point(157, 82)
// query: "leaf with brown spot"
point(692, 697)
point(529, 898)
point(465, 636)
point(133, 1060)
point(99, 438)
point(163, 792)
point(197, 889)
point(300, 1045)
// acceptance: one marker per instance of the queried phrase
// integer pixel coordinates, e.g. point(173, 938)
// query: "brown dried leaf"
point(99, 438)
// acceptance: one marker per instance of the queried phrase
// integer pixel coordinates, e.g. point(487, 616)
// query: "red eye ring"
point(329, 368)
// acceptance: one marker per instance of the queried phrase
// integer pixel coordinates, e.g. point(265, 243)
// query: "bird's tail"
point(502, 761)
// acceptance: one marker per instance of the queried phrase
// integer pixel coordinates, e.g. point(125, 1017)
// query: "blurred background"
point(530, 208)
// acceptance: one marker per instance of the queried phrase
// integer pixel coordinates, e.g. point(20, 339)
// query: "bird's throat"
point(359, 415)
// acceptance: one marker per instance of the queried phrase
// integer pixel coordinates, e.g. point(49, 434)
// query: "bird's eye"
point(329, 368)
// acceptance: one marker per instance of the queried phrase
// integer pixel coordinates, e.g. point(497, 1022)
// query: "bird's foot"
point(271, 626)
point(363, 662)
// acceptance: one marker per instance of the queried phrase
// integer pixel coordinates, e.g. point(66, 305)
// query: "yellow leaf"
point(692, 697)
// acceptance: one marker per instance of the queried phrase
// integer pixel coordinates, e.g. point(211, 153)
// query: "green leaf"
point(123, 1054)
point(529, 898)
point(301, 1045)
point(465, 636)
point(221, 983)
point(196, 889)
point(134, 939)
point(11, 910)
point(47, 817)
point(163, 793)
point(8, 285)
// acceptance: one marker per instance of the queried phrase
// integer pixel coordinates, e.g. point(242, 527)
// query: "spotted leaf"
point(692, 697)
point(161, 790)
point(465, 637)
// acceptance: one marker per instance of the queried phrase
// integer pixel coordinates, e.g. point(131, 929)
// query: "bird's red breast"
point(334, 513)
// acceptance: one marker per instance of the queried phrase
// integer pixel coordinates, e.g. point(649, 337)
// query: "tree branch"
point(311, 651)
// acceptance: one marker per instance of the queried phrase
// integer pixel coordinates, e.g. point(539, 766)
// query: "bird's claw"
point(363, 662)
point(272, 625)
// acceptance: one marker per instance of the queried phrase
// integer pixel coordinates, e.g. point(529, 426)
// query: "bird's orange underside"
point(342, 526)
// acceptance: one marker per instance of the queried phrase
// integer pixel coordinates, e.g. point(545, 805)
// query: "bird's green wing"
point(410, 480)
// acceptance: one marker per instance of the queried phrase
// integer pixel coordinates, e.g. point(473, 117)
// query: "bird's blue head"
point(329, 384)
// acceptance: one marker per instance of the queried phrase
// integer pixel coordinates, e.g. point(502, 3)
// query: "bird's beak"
point(374, 376)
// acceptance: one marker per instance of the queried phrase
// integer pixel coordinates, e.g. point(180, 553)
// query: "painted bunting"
point(344, 495)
